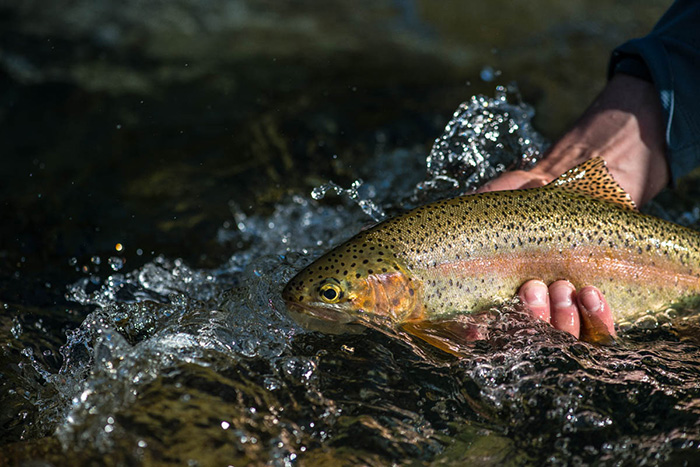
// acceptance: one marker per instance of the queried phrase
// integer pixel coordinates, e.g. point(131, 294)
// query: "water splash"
point(218, 319)
point(485, 137)
point(364, 200)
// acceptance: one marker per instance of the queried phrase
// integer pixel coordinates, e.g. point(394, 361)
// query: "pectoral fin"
point(594, 330)
point(450, 335)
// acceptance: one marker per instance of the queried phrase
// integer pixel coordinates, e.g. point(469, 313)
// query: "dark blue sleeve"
point(669, 57)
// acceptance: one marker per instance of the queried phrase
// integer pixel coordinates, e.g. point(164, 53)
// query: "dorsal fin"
point(592, 178)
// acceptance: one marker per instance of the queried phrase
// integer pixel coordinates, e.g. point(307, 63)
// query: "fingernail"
point(590, 301)
point(564, 301)
point(536, 294)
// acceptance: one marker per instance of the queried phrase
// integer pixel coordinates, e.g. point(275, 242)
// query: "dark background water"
point(148, 124)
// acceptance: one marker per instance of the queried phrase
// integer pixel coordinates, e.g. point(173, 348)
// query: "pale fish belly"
point(632, 283)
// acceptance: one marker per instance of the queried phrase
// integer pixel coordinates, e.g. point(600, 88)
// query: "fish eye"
point(330, 293)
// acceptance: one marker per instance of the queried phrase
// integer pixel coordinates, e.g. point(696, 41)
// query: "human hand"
point(624, 126)
point(584, 314)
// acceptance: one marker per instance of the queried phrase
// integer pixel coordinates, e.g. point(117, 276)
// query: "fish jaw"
point(321, 311)
point(328, 321)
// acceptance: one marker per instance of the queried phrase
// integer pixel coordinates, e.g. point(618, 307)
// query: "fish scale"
point(468, 253)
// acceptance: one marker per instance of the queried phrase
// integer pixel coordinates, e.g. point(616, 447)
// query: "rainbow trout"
point(466, 254)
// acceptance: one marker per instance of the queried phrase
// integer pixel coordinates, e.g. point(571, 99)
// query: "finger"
point(535, 297)
point(565, 313)
point(513, 180)
point(596, 317)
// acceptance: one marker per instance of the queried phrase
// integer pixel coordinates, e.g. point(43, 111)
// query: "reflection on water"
point(202, 365)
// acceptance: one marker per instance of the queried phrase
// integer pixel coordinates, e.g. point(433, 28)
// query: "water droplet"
point(364, 200)
point(487, 74)
point(116, 263)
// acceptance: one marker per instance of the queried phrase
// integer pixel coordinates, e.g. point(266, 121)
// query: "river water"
point(149, 232)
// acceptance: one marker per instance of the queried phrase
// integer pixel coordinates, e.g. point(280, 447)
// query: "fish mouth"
point(323, 319)
point(325, 313)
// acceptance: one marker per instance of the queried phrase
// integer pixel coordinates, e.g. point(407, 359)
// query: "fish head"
point(353, 283)
point(322, 296)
